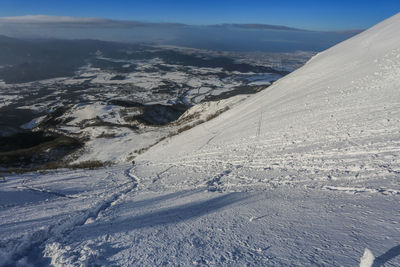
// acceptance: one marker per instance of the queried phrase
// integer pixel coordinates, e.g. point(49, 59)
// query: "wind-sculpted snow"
point(305, 173)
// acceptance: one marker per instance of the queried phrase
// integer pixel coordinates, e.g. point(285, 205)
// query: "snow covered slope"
point(336, 118)
point(305, 173)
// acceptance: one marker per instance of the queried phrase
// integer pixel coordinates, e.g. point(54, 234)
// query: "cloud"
point(66, 21)
point(255, 26)
point(48, 19)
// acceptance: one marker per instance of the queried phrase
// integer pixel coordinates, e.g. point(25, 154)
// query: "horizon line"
point(108, 22)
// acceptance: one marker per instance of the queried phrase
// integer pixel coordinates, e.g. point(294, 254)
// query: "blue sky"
point(308, 14)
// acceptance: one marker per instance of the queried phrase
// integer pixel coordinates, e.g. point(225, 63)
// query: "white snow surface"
point(103, 111)
point(33, 123)
point(305, 173)
point(367, 260)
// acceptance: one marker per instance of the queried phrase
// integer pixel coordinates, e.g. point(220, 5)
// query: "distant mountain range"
point(258, 26)
point(102, 22)
point(222, 37)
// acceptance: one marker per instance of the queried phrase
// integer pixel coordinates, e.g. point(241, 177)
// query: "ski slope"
point(304, 173)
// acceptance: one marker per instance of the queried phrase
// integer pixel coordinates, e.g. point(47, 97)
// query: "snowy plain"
point(304, 173)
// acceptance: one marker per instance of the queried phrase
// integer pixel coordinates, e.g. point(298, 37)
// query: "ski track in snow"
point(320, 168)
point(63, 229)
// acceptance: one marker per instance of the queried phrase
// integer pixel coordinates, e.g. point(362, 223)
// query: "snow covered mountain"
point(347, 96)
point(305, 173)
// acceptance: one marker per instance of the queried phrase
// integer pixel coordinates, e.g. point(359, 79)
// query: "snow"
point(331, 125)
point(6, 100)
point(122, 143)
point(103, 111)
point(210, 108)
point(33, 123)
point(367, 259)
point(304, 173)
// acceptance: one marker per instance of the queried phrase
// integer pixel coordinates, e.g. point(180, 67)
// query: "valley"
point(131, 95)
